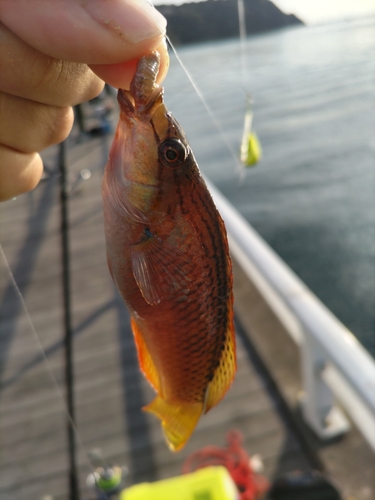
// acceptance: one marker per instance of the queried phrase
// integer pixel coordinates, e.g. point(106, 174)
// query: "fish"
point(168, 255)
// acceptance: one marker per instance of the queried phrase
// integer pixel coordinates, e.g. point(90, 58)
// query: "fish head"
point(149, 143)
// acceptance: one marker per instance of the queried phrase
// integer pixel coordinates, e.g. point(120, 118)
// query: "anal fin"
point(145, 360)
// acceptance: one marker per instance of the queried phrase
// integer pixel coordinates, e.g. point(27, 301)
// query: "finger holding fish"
point(56, 54)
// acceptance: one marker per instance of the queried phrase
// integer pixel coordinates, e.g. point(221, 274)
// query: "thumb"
point(86, 31)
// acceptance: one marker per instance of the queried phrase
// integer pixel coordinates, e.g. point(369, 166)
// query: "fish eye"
point(172, 152)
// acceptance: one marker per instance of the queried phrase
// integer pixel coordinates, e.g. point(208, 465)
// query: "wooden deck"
point(109, 388)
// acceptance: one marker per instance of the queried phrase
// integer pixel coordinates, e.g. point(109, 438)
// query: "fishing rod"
point(68, 330)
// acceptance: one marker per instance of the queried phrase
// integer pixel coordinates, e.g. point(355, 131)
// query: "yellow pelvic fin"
point(145, 360)
point(224, 373)
point(178, 420)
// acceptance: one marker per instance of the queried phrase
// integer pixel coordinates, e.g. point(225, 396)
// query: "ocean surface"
point(312, 197)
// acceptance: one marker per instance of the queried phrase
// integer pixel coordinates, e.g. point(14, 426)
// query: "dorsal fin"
point(224, 373)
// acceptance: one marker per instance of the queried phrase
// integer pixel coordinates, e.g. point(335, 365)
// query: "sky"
point(316, 11)
point(320, 11)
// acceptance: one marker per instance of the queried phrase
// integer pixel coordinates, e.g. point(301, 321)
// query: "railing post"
point(318, 404)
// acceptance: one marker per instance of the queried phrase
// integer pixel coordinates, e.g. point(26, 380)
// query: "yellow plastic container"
point(210, 483)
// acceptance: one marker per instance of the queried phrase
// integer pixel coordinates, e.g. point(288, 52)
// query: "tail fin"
point(178, 420)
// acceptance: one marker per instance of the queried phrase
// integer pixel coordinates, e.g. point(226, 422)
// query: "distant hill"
point(217, 19)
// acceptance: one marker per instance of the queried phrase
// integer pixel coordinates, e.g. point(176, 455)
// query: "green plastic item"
point(251, 150)
point(210, 483)
point(108, 482)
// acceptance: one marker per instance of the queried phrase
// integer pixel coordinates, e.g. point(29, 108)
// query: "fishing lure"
point(168, 255)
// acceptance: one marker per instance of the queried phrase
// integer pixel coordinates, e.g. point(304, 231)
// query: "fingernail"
point(132, 20)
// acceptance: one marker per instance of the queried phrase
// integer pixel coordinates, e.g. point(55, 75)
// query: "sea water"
point(312, 197)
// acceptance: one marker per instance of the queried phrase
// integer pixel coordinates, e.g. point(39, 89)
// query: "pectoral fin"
point(178, 421)
point(158, 268)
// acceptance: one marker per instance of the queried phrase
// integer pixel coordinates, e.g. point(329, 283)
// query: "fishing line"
point(243, 37)
point(249, 115)
point(242, 30)
point(238, 165)
point(47, 364)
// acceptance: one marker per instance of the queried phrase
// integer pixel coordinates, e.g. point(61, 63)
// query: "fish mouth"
point(132, 108)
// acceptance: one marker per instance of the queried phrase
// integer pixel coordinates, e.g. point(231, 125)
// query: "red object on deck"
point(251, 486)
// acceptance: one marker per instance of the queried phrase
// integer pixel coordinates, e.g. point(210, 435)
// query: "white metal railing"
point(333, 363)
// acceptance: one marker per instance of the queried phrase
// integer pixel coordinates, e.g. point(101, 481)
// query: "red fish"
point(168, 255)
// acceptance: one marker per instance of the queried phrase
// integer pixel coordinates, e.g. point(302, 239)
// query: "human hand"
point(55, 54)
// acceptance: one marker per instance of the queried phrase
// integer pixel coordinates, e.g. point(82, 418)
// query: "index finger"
point(86, 31)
